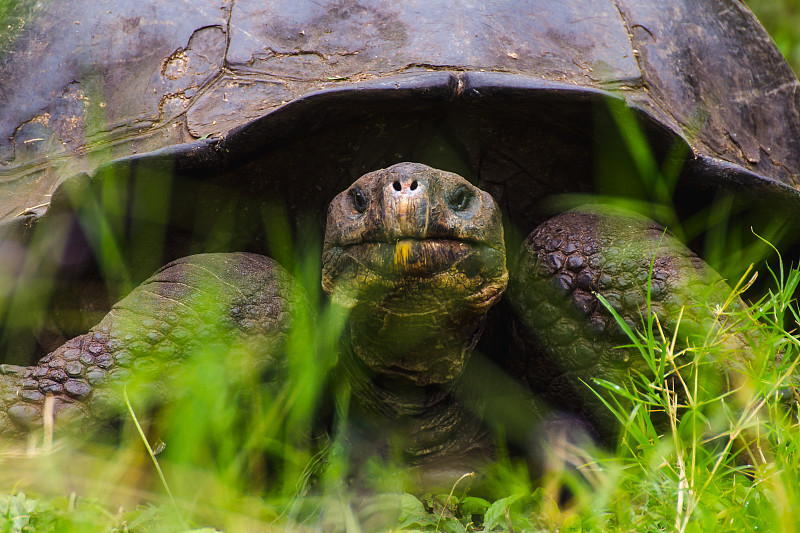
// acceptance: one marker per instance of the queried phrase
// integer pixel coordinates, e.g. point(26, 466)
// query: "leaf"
point(497, 511)
point(17, 510)
point(410, 506)
point(412, 512)
point(474, 505)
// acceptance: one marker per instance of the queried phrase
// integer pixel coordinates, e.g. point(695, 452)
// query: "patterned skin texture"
point(565, 337)
point(236, 299)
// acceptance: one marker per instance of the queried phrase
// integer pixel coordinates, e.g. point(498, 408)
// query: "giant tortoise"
point(139, 134)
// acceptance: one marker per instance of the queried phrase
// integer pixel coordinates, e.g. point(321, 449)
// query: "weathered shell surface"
point(84, 82)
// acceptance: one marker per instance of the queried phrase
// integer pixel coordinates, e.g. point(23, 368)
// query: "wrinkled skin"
point(245, 301)
point(565, 337)
point(417, 257)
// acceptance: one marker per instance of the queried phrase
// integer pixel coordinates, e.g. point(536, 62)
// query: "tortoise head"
point(411, 224)
point(418, 256)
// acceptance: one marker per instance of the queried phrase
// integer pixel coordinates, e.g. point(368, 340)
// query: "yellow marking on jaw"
point(402, 252)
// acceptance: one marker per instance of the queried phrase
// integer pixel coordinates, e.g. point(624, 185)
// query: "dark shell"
point(132, 77)
point(219, 110)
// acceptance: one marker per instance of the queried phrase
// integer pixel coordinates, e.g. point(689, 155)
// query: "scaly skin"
point(565, 337)
point(236, 299)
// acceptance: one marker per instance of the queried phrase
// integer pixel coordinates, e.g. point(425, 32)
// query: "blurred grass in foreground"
point(220, 460)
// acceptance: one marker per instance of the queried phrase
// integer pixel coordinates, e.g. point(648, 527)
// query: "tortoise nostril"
point(413, 185)
point(396, 185)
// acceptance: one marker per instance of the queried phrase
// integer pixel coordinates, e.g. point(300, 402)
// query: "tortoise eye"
point(460, 199)
point(359, 199)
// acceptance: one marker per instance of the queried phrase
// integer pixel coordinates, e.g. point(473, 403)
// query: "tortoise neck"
point(421, 421)
point(404, 358)
point(389, 396)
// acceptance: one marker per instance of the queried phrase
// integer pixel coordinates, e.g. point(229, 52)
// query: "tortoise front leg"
point(236, 301)
point(565, 337)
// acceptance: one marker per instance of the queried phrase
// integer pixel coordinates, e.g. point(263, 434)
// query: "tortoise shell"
point(135, 133)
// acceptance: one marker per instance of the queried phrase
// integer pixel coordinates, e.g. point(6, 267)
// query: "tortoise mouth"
point(433, 240)
point(410, 256)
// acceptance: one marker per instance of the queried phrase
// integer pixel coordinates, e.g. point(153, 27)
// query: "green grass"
point(256, 468)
